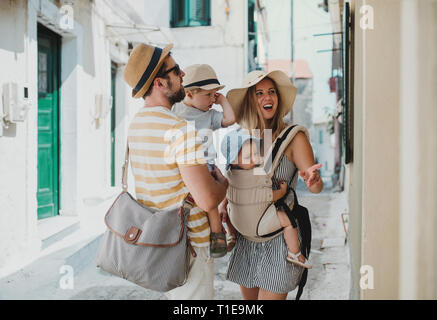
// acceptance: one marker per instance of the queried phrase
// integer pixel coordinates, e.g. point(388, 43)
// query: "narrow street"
point(328, 279)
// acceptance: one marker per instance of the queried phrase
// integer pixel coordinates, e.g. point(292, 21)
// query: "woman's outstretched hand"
point(311, 176)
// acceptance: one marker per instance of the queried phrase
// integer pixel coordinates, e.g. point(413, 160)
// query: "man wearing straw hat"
point(167, 159)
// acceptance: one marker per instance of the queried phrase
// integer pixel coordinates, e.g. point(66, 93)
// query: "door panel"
point(48, 113)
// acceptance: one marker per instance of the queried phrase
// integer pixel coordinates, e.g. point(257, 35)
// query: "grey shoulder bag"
point(146, 246)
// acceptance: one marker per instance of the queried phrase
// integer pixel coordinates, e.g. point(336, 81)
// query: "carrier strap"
point(279, 146)
point(284, 136)
point(271, 165)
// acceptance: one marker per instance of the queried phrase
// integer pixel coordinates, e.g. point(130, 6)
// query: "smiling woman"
point(263, 95)
point(267, 97)
point(261, 266)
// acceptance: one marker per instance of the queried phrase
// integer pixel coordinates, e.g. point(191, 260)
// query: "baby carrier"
point(250, 200)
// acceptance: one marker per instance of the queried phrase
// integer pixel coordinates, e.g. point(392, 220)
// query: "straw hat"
point(201, 76)
point(287, 91)
point(142, 67)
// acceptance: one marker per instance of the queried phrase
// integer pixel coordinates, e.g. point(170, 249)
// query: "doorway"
point(48, 122)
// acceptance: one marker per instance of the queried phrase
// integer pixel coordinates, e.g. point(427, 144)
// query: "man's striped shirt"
point(159, 143)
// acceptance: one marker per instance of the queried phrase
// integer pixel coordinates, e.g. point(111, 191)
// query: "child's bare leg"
point(290, 235)
point(231, 228)
point(214, 220)
point(231, 234)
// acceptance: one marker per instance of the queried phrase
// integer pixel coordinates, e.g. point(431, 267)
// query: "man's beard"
point(174, 97)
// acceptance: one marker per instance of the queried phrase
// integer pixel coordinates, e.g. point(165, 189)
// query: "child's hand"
point(278, 194)
point(219, 98)
point(283, 187)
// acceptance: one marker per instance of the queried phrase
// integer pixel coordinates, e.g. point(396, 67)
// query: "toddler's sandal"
point(294, 258)
point(231, 242)
point(218, 249)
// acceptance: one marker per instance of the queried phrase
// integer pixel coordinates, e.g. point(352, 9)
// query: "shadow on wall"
point(121, 96)
point(88, 43)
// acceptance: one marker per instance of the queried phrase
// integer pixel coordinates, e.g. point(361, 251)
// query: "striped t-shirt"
point(159, 143)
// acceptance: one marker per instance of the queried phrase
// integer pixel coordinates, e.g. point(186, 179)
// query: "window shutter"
point(178, 13)
point(199, 14)
point(190, 13)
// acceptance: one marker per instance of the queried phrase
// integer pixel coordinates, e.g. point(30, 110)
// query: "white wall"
point(17, 168)
point(310, 20)
point(279, 28)
point(94, 77)
point(418, 151)
point(86, 54)
point(221, 45)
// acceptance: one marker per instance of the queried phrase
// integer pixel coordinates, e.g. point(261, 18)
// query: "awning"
point(130, 32)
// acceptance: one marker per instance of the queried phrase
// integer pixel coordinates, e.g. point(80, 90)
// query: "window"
point(253, 39)
point(190, 13)
point(320, 136)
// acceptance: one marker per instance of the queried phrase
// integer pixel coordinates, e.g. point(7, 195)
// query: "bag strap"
point(124, 169)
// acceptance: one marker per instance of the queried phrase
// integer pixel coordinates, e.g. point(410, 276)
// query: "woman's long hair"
point(251, 118)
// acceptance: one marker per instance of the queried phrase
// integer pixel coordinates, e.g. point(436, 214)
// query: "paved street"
point(329, 278)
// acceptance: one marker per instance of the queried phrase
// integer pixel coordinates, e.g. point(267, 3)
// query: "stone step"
point(85, 254)
point(52, 230)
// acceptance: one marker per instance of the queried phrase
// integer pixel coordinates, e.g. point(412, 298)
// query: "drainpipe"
point(292, 40)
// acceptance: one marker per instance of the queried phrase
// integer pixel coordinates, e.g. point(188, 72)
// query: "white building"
point(214, 32)
point(311, 20)
point(228, 35)
point(67, 151)
point(69, 146)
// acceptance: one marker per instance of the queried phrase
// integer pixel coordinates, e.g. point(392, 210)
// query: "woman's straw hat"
point(201, 76)
point(142, 67)
point(287, 91)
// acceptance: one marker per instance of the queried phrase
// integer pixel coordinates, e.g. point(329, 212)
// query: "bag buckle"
point(132, 235)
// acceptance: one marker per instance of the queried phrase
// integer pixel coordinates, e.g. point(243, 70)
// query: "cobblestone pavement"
point(328, 279)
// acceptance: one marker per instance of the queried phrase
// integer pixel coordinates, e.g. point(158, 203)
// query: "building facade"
point(210, 32)
point(390, 177)
point(63, 139)
point(66, 151)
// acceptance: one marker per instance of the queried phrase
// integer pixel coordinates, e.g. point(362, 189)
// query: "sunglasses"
point(176, 69)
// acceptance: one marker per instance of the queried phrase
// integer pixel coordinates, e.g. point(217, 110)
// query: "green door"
point(48, 115)
point(113, 121)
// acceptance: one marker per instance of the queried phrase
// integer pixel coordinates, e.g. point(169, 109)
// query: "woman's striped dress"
point(264, 265)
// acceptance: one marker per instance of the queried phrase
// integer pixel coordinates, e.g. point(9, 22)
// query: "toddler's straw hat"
point(201, 76)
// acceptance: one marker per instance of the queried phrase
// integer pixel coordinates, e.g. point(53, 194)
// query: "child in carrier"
point(201, 86)
point(241, 152)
